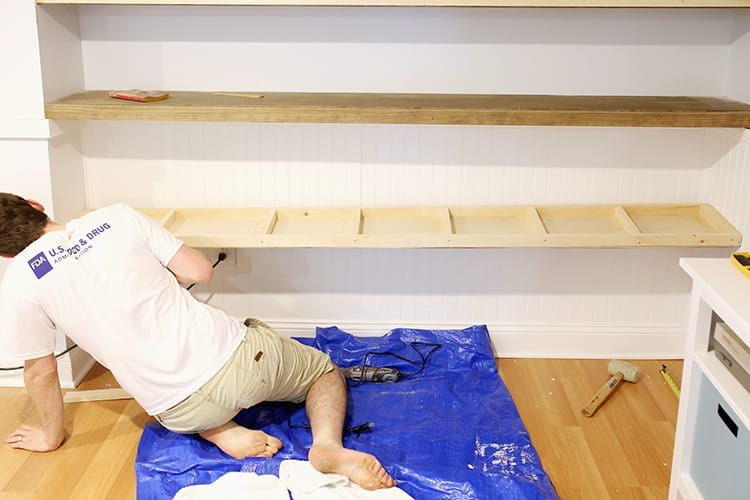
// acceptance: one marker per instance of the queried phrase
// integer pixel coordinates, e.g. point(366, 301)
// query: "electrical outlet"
point(231, 255)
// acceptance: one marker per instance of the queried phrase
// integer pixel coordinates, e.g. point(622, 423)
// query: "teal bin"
point(720, 465)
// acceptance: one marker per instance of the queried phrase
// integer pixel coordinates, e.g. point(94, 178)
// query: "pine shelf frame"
point(425, 3)
point(560, 226)
point(388, 108)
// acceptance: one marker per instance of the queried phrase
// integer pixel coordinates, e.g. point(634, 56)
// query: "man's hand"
point(43, 385)
point(32, 439)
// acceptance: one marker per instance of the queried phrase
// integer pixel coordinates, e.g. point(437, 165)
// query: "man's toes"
point(273, 448)
point(382, 475)
point(386, 481)
point(275, 442)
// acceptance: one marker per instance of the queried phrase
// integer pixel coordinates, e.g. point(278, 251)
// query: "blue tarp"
point(451, 431)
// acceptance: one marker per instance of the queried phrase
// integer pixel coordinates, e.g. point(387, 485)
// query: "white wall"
point(727, 184)
point(210, 164)
point(560, 51)
point(23, 131)
point(537, 302)
point(21, 82)
point(739, 69)
point(41, 160)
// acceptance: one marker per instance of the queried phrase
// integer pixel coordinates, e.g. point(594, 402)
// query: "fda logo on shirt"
point(40, 265)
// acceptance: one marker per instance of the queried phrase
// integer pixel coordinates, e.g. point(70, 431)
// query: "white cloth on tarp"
point(297, 476)
point(237, 485)
point(306, 483)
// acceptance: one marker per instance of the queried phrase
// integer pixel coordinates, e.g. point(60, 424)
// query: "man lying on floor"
point(111, 281)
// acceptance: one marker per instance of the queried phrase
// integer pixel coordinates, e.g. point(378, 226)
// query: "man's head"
point(21, 223)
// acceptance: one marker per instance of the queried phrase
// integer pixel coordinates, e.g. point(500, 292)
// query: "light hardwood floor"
point(623, 451)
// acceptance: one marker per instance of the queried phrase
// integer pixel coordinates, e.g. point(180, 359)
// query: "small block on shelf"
point(139, 95)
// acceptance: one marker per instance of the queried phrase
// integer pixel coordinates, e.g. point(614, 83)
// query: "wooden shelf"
point(446, 109)
point(424, 3)
point(580, 226)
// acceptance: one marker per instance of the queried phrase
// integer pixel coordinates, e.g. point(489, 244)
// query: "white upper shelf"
point(427, 3)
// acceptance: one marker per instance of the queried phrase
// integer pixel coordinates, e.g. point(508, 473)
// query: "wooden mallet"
point(620, 370)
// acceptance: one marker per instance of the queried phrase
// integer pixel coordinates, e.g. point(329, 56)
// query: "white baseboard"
point(71, 368)
point(535, 341)
point(11, 378)
point(508, 341)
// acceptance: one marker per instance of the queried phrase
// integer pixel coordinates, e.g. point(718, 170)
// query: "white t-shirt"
point(103, 282)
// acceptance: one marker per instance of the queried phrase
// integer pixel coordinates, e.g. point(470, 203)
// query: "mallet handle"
point(602, 395)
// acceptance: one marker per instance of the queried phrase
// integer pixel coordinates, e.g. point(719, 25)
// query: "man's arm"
point(190, 266)
point(41, 380)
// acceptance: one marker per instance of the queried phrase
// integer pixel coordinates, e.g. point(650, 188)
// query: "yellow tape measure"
point(742, 261)
point(670, 381)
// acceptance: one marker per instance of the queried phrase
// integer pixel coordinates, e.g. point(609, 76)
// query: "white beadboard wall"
point(537, 302)
point(565, 303)
point(188, 164)
point(727, 183)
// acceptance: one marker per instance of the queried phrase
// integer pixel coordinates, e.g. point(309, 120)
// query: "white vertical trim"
point(22, 95)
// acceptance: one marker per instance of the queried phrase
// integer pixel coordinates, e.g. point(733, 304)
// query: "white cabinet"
point(711, 444)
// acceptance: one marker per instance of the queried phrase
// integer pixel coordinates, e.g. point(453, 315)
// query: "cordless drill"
point(371, 374)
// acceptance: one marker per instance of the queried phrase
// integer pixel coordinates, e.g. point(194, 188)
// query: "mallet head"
point(630, 372)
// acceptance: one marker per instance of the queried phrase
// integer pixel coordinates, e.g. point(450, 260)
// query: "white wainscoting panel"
point(727, 183)
point(538, 301)
point(218, 164)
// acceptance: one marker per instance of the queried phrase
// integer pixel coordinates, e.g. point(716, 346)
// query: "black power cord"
point(66, 351)
point(221, 257)
point(422, 362)
point(356, 430)
point(423, 359)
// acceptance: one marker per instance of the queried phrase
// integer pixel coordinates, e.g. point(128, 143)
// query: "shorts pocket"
point(252, 379)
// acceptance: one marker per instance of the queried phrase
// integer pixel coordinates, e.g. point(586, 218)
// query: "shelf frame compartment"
point(425, 109)
point(566, 226)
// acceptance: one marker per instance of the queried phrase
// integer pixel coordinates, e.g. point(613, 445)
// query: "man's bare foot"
point(240, 442)
point(361, 468)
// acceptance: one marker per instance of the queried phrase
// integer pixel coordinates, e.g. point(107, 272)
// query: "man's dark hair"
point(20, 224)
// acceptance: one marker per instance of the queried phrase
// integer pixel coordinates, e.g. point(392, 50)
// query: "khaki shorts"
point(265, 367)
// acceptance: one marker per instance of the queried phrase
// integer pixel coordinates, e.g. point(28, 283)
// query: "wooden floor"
point(624, 451)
